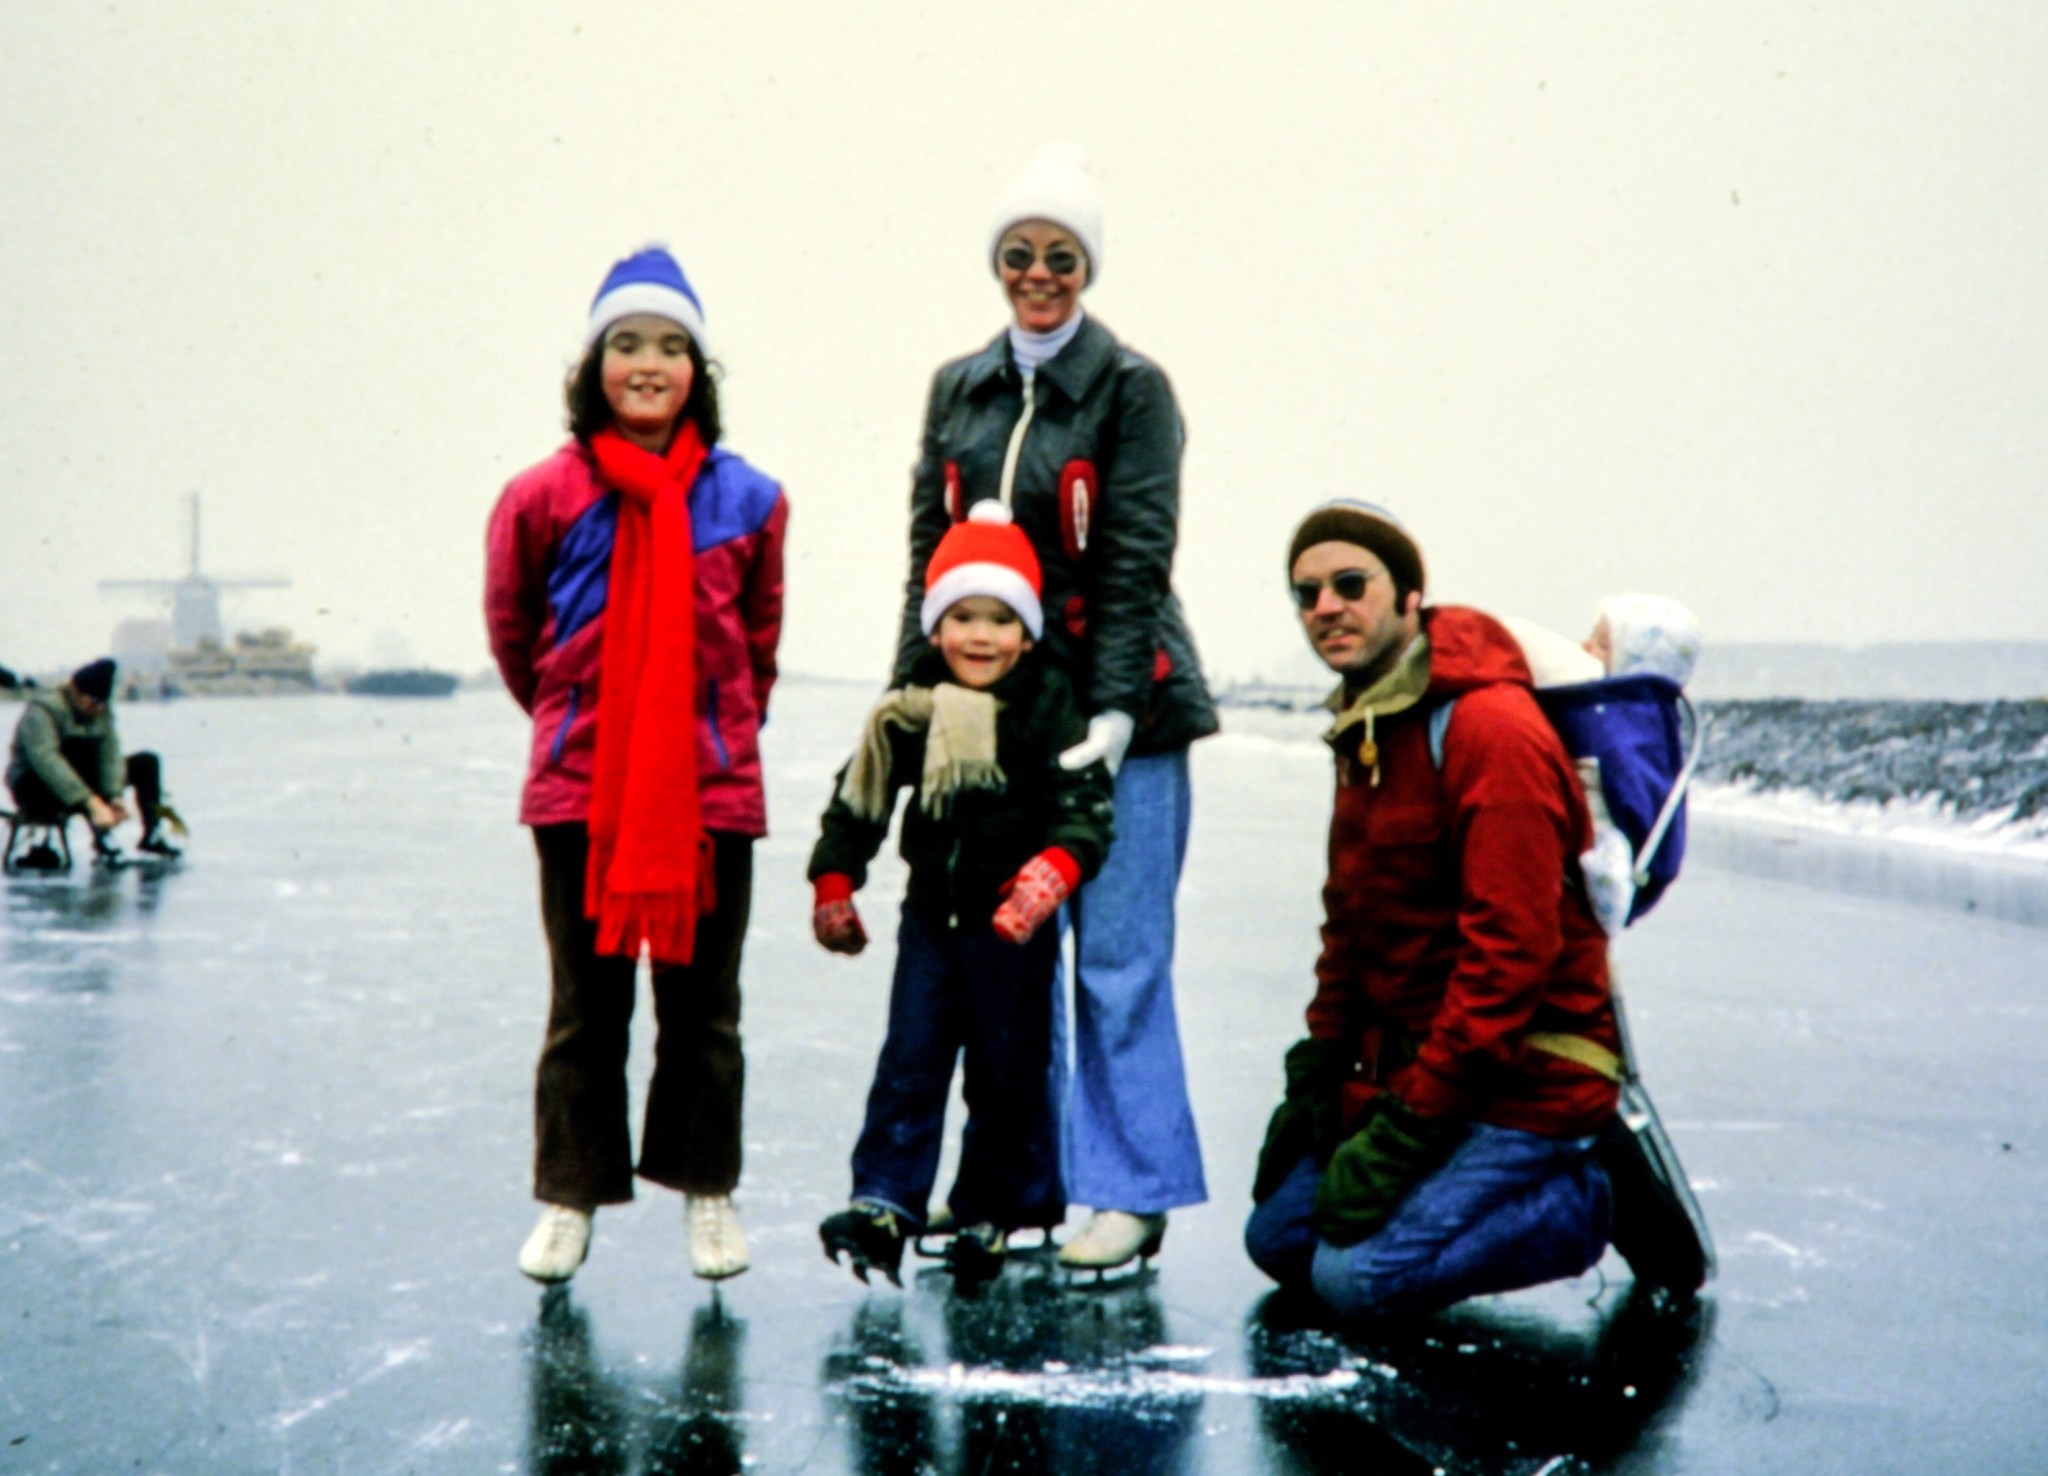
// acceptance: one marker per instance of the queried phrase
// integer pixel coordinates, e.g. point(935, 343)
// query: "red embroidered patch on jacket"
point(1077, 505)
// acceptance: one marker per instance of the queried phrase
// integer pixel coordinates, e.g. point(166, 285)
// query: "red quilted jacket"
point(1452, 934)
point(546, 579)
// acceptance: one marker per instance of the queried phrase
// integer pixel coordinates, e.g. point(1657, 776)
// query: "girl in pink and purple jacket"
point(644, 784)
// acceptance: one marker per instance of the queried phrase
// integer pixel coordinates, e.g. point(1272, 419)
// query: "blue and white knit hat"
point(648, 281)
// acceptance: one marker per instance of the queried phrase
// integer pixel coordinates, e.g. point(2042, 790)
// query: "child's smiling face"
point(982, 639)
point(647, 375)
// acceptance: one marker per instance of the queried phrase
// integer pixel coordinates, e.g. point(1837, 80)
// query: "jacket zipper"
point(1017, 439)
point(953, 885)
point(568, 719)
point(711, 716)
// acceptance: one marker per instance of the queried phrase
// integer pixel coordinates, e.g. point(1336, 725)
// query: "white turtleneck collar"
point(1032, 349)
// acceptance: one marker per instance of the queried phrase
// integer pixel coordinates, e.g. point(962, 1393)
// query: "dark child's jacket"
point(959, 861)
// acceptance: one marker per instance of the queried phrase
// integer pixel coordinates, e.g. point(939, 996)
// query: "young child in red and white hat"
point(996, 836)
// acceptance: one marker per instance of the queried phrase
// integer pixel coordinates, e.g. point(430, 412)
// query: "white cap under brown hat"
point(1370, 526)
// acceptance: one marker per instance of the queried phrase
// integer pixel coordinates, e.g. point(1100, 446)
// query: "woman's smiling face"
point(1041, 298)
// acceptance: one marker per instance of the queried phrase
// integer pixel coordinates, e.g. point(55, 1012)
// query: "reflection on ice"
point(585, 1421)
point(1483, 1383)
point(1946, 880)
point(1030, 1374)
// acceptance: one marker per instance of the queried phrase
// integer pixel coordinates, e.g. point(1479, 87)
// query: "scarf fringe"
point(959, 753)
point(941, 784)
point(655, 919)
point(659, 920)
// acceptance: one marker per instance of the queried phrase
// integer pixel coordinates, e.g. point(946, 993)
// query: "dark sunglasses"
point(1350, 585)
point(1061, 261)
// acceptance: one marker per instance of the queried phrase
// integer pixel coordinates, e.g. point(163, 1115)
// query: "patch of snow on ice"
point(1122, 1386)
point(1922, 822)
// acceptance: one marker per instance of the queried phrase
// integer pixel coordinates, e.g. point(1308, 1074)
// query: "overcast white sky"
point(1742, 303)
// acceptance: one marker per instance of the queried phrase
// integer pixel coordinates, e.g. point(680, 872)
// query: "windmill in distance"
point(200, 658)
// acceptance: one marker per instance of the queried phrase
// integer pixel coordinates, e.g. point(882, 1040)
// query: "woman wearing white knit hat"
point(1079, 435)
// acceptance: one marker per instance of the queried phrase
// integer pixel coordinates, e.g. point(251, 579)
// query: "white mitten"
point(1109, 736)
point(1609, 869)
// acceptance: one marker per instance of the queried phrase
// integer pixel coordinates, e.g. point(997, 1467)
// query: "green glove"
point(1307, 1121)
point(1394, 1149)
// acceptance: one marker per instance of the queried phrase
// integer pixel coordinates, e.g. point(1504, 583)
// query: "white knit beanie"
point(1054, 186)
point(1650, 633)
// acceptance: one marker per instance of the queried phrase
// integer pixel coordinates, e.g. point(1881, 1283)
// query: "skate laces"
point(564, 1225)
point(879, 1215)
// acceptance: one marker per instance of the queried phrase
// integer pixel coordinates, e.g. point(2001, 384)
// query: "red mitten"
point(1035, 893)
point(834, 923)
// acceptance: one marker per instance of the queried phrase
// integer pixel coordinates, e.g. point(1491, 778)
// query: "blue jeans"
point(1128, 1139)
point(964, 991)
point(1508, 1210)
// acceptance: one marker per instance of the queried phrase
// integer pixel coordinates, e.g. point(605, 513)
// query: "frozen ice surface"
point(264, 1132)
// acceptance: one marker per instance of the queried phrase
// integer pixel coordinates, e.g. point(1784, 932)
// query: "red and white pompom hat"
point(986, 555)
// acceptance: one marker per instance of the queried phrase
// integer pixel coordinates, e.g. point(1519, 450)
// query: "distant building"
point(191, 653)
point(264, 663)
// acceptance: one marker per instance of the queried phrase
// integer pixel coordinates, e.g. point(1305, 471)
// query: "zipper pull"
point(1008, 484)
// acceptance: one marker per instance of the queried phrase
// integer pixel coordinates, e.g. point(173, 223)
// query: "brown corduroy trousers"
point(583, 1150)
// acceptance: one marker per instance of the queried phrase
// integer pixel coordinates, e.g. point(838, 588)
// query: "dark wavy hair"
point(590, 412)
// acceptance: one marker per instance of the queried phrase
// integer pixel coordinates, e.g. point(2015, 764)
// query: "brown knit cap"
point(1370, 526)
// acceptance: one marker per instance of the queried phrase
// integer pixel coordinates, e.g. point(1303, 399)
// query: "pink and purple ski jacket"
point(547, 571)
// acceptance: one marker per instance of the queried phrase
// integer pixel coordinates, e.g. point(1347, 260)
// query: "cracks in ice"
point(392, 1358)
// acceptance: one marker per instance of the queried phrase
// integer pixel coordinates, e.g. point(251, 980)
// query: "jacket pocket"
point(561, 737)
point(711, 721)
point(1407, 847)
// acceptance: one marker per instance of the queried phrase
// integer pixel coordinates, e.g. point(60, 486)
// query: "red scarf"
point(649, 874)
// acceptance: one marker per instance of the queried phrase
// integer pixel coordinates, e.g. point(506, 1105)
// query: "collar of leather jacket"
point(1072, 371)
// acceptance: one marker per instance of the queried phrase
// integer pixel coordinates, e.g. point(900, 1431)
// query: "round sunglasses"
point(1350, 585)
point(1061, 261)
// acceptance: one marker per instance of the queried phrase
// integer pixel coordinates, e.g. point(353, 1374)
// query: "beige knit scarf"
point(959, 748)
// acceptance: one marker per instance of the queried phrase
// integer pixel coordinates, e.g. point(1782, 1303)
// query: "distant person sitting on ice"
point(67, 760)
point(998, 833)
point(1438, 1134)
point(634, 599)
point(1633, 635)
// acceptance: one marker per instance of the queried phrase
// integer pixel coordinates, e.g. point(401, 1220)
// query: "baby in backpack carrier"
point(1633, 635)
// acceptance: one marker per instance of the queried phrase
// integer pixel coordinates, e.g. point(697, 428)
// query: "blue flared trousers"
point(1508, 1210)
point(1128, 1134)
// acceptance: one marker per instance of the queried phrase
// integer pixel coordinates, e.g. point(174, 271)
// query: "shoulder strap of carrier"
point(1439, 721)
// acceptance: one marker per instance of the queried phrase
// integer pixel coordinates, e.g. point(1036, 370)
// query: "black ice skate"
point(933, 1240)
point(869, 1235)
point(156, 843)
point(976, 1253)
point(1658, 1226)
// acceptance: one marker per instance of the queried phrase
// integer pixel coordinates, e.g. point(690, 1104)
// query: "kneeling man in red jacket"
point(1437, 1137)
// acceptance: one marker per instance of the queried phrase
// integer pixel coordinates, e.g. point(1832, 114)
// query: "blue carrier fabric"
point(1642, 732)
point(1636, 727)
